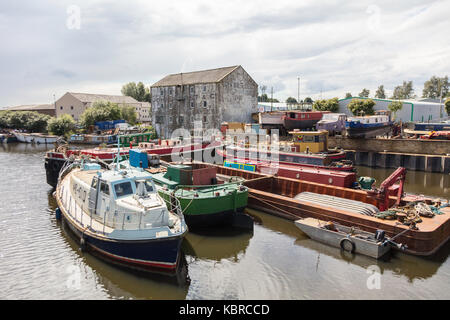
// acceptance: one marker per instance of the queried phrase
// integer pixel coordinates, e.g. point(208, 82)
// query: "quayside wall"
point(414, 155)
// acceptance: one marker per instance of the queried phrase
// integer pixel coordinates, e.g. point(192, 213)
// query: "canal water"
point(40, 260)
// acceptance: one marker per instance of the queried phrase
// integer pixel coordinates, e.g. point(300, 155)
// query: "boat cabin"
point(193, 174)
point(377, 119)
point(125, 199)
point(310, 141)
point(306, 115)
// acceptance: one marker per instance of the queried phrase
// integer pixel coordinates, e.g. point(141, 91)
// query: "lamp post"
point(298, 91)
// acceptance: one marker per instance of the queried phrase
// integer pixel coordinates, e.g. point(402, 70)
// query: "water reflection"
point(18, 147)
point(417, 182)
point(217, 244)
point(412, 267)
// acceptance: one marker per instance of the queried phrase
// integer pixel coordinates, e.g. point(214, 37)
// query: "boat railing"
point(116, 219)
point(213, 187)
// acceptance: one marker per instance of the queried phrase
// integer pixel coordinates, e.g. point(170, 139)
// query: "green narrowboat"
point(204, 199)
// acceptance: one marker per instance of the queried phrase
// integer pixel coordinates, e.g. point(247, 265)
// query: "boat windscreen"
point(149, 185)
point(123, 189)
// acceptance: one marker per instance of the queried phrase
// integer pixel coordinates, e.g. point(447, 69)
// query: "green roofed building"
point(412, 110)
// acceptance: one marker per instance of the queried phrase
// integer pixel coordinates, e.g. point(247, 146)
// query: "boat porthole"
point(330, 180)
point(298, 176)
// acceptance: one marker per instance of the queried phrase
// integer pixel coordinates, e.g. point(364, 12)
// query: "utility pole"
point(440, 103)
point(271, 100)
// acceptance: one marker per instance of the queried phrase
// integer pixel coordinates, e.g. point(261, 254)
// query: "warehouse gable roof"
point(204, 76)
point(30, 107)
point(89, 97)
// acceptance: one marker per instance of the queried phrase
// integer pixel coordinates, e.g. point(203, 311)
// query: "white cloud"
point(335, 47)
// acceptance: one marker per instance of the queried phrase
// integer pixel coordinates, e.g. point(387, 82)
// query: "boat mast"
point(118, 152)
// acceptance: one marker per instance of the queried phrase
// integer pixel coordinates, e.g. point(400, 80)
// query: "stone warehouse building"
point(211, 96)
point(75, 104)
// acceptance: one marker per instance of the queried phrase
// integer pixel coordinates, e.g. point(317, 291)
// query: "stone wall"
point(430, 147)
point(238, 94)
point(232, 99)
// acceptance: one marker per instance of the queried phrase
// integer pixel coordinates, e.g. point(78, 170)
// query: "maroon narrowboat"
point(302, 119)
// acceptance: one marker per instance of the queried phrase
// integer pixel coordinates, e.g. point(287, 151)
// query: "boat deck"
point(74, 212)
point(86, 176)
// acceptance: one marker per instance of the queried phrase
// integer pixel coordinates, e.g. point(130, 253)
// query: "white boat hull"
point(35, 138)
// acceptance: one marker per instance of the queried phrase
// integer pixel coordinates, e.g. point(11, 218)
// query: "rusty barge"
point(276, 195)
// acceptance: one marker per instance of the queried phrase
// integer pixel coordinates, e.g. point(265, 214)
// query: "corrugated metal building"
point(412, 111)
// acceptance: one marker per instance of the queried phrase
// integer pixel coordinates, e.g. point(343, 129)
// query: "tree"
point(380, 94)
point(395, 106)
point(404, 91)
point(348, 95)
point(100, 111)
point(432, 88)
point(263, 89)
point(331, 105)
point(364, 93)
point(137, 91)
point(5, 119)
point(128, 113)
point(447, 106)
point(308, 100)
point(61, 125)
point(26, 120)
point(291, 100)
point(364, 106)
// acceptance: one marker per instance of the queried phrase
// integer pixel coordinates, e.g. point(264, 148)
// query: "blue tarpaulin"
point(108, 125)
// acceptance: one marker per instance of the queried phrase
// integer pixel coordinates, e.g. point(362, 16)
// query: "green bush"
point(24, 120)
point(152, 130)
point(447, 106)
point(331, 105)
point(364, 106)
point(62, 125)
point(107, 111)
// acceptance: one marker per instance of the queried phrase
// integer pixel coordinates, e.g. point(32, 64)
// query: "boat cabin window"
point(308, 138)
point(149, 185)
point(94, 183)
point(123, 189)
point(104, 188)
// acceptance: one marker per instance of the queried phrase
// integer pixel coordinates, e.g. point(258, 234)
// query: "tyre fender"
point(342, 244)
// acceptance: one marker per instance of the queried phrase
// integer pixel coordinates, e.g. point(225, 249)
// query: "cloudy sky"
point(51, 47)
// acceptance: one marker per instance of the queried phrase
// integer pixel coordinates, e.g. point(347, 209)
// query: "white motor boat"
point(35, 137)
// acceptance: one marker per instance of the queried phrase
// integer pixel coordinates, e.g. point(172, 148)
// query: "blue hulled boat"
point(119, 215)
point(368, 126)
